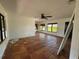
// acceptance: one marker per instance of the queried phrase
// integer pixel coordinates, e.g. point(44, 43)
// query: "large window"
point(52, 27)
point(42, 27)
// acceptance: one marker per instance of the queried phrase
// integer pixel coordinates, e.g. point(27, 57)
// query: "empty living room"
point(39, 29)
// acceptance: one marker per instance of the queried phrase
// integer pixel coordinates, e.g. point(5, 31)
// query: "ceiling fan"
point(71, 0)
point(43, 16)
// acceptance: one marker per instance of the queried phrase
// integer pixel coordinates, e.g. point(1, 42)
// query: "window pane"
point(42, 27)
point(54, 28)
point(49, 27)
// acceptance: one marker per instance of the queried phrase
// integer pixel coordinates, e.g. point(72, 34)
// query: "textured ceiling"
point(33, 8)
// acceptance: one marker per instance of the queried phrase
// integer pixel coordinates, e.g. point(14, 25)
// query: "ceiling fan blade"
point(45, 17)
point(48, 16)
point(71, 0)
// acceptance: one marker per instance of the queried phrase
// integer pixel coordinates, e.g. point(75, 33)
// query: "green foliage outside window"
point(52, 27)
point(49, 27)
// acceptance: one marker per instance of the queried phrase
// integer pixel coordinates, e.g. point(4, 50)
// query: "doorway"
point(66, 25)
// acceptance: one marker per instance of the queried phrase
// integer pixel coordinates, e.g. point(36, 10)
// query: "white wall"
point(75, 39)
point(20, 25)
point(61, 26)
point(4, 44)
point(23, 26)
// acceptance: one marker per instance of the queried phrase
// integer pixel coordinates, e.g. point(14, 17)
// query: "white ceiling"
point(33, 8)
point(9, 5)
